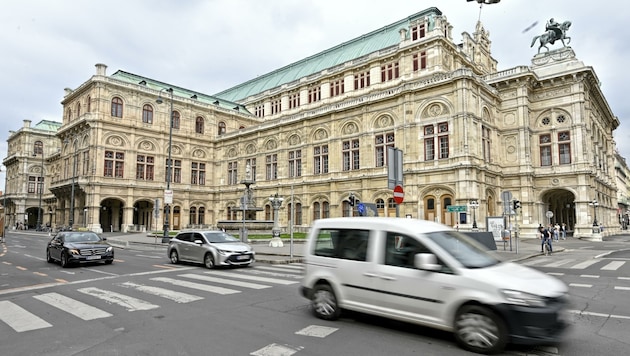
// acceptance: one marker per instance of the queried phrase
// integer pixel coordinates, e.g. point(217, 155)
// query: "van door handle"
point(370, 274)
point(388, 278)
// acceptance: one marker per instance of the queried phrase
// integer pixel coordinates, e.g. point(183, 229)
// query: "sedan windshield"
point(464, 249)
point(219, 236)
point(82, 237)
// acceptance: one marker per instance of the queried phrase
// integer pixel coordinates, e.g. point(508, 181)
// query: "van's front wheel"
point(480, 330)
point(324, 303)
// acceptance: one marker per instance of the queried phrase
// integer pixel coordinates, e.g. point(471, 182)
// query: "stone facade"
point(541, 132)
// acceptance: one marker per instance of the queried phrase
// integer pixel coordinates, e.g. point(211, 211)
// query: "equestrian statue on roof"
point(554, 31)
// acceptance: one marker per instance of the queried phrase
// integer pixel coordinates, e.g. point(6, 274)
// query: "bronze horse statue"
point(552, 35)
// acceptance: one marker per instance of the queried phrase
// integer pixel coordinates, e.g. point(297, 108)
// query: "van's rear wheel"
point(324, 302)
point(478, 329)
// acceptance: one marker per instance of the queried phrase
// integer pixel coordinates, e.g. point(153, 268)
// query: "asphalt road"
point(143, 305)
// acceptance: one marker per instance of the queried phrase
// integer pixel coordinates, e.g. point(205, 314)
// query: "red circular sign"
point(399, 194)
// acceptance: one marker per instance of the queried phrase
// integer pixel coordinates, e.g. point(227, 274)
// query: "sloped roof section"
point(48, 125)
point(177, 91)
point(361, 46)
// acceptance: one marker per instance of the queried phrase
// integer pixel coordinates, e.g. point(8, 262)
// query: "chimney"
point(27, 123)
point(101, 69)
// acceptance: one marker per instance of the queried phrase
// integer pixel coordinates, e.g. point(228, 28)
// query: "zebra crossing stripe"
point(559, 263)
point(252, 278)
point(19, 319)
point(74, 307)
point(125, 301)
point(225, 281)
point(583, 265)
point(613, 266)
point(175, 296)
point(277, 269)
point(199, 286)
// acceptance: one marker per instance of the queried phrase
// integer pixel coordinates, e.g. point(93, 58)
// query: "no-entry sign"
point(399, 194)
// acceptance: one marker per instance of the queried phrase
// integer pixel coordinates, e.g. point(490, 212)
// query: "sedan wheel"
point(208, 260)
point(480, 330)
point(48, 258)
point(324, 303)
point(64, 260)
point(174, 257)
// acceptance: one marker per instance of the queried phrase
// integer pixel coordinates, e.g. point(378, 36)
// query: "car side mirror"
point(426, 261)
point(104, 238)
point(199, 242)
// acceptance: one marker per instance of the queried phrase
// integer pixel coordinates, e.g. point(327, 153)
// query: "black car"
point(70, 247)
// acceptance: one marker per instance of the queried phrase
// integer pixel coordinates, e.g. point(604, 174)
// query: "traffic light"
point(517, 204)
point(352, 199)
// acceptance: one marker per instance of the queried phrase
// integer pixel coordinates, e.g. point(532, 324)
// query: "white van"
point(429, 274)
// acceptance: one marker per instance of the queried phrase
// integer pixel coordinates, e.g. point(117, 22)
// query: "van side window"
point(401, 249)
point(350, 244)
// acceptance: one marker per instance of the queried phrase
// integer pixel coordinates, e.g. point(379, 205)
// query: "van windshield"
point(464, 249)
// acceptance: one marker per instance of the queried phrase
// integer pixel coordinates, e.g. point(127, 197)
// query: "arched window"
point(298, 213)
point(316, 212)
point(147, 114)
point(175, 121)
point(325, 210)
point(117, 107)
point(89, 103)
point(38, 148)
point(201, 218)
point(69, 115)
point(199, 125)
point(222, 128)
point(193, 215)
point(78, 109)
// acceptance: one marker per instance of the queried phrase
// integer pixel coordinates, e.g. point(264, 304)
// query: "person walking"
point(545, 237)
point(556, 232)
point(563, 231)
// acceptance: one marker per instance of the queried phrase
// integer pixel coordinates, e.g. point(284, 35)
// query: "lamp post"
point(594, 203)
point(474, 204)
point(276, 202)
point(74, 173)
point(168, 195)
point(4, 203)
point(40, 187)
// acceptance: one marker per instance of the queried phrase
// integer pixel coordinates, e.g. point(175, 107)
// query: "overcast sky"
point(211, 45)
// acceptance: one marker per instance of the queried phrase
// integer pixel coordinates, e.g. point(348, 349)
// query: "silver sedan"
point(210, 247)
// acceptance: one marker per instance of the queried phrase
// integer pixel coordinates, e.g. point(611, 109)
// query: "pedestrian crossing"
point(575, 263)
point(98, 302)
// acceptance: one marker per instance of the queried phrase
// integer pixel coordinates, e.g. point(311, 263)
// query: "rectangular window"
point(336, 88)
point(320, 159)
point(564, 147)
point(389, 72)
point(252, 166)
point(295, 163)
point(429, 149)
point(232, 173)
point(144, 167)
point(418, 32)
point(276, 106)
point(381, 143)
point(259, 110)
point(485, 146)
point(114, 164)
point(177, 171)
point(362, 80)
point(350, 152)
point(419, 61)
point(294, 100)
point(271, 163)
point(545, 150)
point(31, 184)
point(198, 173)
point(314, 94)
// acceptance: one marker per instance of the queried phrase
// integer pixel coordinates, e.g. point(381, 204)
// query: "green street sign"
point(456, 208)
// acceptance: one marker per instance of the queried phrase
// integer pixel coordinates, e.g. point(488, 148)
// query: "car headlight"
point(109, 249)
point(525, 299)
point(73, 251)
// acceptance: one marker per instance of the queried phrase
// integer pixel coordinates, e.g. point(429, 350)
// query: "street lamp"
point(594, 203)
point(276, 202)
point(168, 195)
point(74, 173)
point(40, 186)
point(474, 204)
point(4, 203)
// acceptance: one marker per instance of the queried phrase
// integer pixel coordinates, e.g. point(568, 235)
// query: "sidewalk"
point(294, 253)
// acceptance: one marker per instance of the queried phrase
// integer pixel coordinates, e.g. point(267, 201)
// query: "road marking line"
point(556, 273)
point(580, 285)
point(276, 350)
point(19, 319)
point(278, 269)
point(21, 268)
point(559, 262)
point(225, 281)
point(203, 287)
point(127, 302)
point(583, 265)
point(622, 288)
point(74, 307)
point(589, 276)
point(175, 296)
point(316, 331)
point(580, 312)
point(624, 278)
point(40, 274)
point(253, 278)
point(7, 263)
point(61, 280)
point(613, 266)
point(166, 267)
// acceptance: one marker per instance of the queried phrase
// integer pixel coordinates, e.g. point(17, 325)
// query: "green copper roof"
point(48, 125)
point(361, 46)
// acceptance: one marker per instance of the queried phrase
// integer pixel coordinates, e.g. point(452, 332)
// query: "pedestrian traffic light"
point(517, 204)
point(352, 199)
